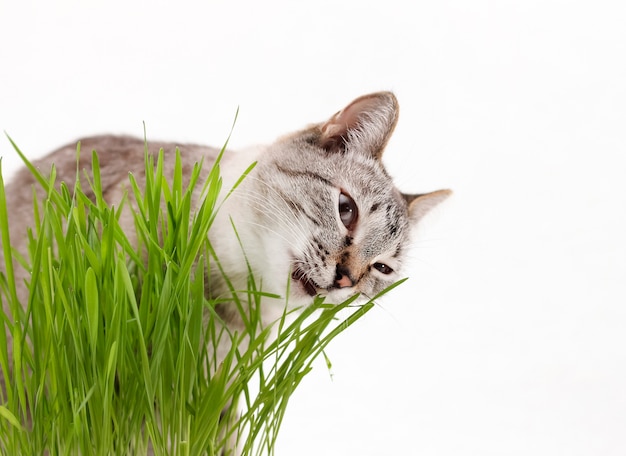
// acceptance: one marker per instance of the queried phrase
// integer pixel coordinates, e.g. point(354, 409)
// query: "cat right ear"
point(420, 205)
point(364, 125)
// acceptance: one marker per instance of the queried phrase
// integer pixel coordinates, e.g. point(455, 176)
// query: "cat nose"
point(342, 278)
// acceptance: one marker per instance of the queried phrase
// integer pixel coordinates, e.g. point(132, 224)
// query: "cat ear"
point(364, 125)
point(420, 205)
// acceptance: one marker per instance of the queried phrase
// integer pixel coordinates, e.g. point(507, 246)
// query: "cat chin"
point(339, 295)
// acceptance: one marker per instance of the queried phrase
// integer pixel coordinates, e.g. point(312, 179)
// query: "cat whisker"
point(263, 203)
point(247, 222)
point(279, 197)
point(298, 230)
point(297, 235)
point(383, 308)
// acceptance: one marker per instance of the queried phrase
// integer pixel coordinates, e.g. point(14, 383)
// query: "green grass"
point(113, 352)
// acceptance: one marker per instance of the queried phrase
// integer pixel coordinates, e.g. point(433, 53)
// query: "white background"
point(510, 336)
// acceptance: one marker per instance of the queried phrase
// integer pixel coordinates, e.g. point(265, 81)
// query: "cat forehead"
point(337, 168)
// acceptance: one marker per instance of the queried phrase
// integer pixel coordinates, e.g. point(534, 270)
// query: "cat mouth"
point(307, 284)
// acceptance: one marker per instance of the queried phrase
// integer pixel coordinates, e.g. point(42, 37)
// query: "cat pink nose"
point(342, 278)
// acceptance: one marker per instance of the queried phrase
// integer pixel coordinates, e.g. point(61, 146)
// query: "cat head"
point(335, 223)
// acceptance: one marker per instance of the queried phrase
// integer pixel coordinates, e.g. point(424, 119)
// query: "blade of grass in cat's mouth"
point(309, 286)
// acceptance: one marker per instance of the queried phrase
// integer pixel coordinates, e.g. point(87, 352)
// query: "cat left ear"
point(420, 205)
point(364, 125)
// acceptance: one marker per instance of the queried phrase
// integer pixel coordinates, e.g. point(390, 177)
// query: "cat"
point(318, 209)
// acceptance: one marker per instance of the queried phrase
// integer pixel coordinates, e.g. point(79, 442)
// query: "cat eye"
point(348, 211)
point(381, 267)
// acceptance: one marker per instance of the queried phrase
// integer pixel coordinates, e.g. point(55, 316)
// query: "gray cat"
point(318, 209)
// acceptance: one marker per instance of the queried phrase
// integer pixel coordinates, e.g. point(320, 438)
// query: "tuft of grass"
point(114, 352)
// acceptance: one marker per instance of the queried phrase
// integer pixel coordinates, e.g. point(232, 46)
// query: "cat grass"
point(112, 353)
